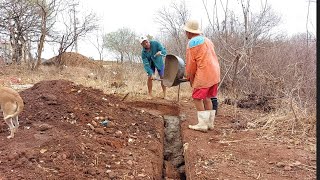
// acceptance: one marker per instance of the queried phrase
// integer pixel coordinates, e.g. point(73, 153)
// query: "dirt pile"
point(73, 59)
point(69, 131)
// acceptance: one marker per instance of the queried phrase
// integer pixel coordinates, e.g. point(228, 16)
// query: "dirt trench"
point(173, 162)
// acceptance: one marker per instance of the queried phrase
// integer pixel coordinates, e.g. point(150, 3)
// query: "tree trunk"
point(42, 37)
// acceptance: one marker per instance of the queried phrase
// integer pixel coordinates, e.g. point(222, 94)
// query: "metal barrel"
point(173, 70)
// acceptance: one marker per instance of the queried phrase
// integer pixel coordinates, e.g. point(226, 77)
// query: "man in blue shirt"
point(152, 54)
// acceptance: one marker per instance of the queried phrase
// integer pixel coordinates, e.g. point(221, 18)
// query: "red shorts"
point(203, 93)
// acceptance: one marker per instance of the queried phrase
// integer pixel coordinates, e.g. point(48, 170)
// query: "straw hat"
point(192, 26)
point(142, 38)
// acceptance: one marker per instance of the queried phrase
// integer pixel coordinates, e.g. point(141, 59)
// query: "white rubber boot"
point(203, 118)
point(211, 119)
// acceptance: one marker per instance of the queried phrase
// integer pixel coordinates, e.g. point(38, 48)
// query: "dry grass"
point(288, 123)
point(112, 78)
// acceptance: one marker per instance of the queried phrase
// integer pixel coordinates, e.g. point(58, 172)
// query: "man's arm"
point(162, 49)
point(191, 67)
point(146, 65)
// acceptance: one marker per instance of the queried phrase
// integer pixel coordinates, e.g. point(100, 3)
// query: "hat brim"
point(192, 30)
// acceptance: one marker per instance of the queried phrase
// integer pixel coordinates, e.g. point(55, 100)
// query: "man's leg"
point(164, 89)
point(207, 104)
point(199, 104)
point(202, 116)
point(214, 105)
point(149, 84)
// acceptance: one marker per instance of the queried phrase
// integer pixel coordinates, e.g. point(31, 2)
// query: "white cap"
point(142, 38)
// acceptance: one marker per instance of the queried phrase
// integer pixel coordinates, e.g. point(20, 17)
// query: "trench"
point(174, 164)
point(173, 159)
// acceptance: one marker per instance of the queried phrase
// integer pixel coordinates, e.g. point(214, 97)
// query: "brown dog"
point(11, 105)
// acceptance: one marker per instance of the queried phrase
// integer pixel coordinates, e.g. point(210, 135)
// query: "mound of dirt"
point(69, 131)
point(72, 59)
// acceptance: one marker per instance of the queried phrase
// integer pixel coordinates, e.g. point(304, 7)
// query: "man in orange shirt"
point(203, 72)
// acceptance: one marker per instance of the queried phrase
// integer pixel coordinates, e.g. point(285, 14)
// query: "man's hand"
point(158, 54)
point(152, 77)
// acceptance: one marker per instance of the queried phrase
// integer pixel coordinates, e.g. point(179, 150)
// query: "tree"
point(124, 43)
point(238, 39)
point(98, 43)
point(20, 24)
point(73, 31)
point(171, 20)
point(27, 23)
point(47, 12)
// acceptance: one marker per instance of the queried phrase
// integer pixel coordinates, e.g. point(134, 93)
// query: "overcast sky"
point(139, 15)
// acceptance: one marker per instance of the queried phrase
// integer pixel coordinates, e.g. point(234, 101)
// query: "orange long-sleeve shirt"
point(202, 66)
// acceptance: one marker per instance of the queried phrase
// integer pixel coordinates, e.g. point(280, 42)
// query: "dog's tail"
point(20, 106)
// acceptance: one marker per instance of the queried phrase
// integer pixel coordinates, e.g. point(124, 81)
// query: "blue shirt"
point(148, 57)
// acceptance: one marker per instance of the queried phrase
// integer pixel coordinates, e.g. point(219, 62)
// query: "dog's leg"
point(11, 127)
point(16, 123)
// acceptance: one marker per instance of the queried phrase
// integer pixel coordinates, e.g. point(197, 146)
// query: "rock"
point(251, 125)
point(13, 156)
point(118, 133)
point(99, 130)
point(30, 154)
point(142, 175)
point(64, 156)
point(111, 174)
point(287, 168)
point(91, 127)
point(280, 164)
point(48, 97)
point(297, 163)
point(92, 76)
point(94, 123)
point(111, 124)
point(44, 127)
point(130, 162)
point(91, 171)
point(99, 118)
point(43, 151)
